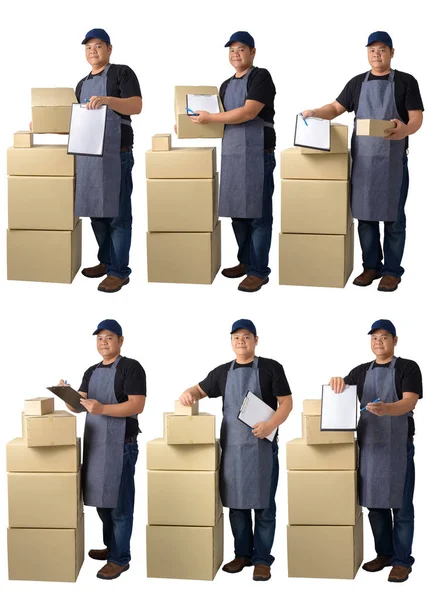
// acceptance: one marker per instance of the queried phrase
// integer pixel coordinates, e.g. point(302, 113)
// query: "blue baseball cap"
point(380, 36)
point(244, 324)
point(241, 36)
point(101, 34)
point(110, 325)
point(383, 324)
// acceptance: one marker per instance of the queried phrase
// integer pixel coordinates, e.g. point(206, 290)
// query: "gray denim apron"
point(377, 163)
point(242, 159)
point(246, 461)
point(98, 177)
point(383, 444)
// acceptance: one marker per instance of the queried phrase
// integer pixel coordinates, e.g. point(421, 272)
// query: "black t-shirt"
point(261, 88)
point(130, 380)
point(408, 378)
point(121, 83)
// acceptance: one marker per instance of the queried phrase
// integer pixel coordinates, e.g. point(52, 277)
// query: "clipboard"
point(67, 394)
point(208, 102)
point(253, 410)
point(316, 134)
point(339, 412)
point(87, 130)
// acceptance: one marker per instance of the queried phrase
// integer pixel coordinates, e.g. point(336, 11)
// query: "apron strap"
point(366, 78)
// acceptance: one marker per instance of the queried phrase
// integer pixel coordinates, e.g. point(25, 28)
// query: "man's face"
point(241, 56)
point(383, 343)
point(97, 52)
point(244, 342)
point(380, 55)
point(108, 343)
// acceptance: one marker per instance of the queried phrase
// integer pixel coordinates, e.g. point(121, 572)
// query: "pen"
point(191, 111)
point(365, 407)
point(304, 120)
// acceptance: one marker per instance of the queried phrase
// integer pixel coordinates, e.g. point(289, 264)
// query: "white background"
point(180, 332)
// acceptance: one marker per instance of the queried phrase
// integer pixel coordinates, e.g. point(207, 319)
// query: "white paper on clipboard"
point(316, 134)
point(87, 129)
point(254, 410)
point(207, 102)
point(339, 411)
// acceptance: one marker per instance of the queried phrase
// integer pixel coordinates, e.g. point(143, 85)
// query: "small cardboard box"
point(295, 165)
point(322, 457)
point(36, 407)
point(338, 141)
point(53, 256)
point(185, 126)
point(161, 142)
point(181, 163)
point(51, 109)
point(60, 459)
point(41, 203)
point(187, 411)
point(181, 457)
point(184, 257)
point(374, 127)
point(55, 429)
point(23, 139)
point(199, 429)
point(309, 206)
point(46, 161)
point(184, 552)
point(316, 260)
point(312, 434)
point(327, 552)
point(312, 407)
point(182, 204)
point(46, 554)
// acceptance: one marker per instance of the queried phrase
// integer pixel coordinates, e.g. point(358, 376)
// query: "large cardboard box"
point(44, 500)
point(38, 406)
point(322, 457)
point(184, 552)
point(309, 206)
point(322, 498)
point(182, 204)
point(50, 160)
point(187, 411)
point(51, 109)
point(316, 260)
point(161, 141)
point(181, 163)
point(54, 429)
point(53, 256)
point(312, 434)
point(327, 552)
point(374, 127)
point(312, 407)
point(23, 139)
point(338, 141)
point(184, 257)
point(46, 554)
point(60, 459)
point(41, 203)
point(199, 429)
point(181, 457)
point(295, 165)
point(185, 126)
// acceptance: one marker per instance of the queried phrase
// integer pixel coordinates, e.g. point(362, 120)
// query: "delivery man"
point(388, 388)
point(114, 393)
point(104, 184)
point(380, 177)
point(249, 462)
point(247, 161)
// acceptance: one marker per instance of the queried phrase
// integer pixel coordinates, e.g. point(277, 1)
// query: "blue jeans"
point(395, 539)
point(117, 522)
point(114, 235)
point(257, 546)
point(254, 235)
point(394, 237)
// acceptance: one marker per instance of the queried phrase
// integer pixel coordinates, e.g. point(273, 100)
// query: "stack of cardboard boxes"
point(46, 523)
point(185, 515)
point(316, 243)
point(44, 237)
point(325, 531)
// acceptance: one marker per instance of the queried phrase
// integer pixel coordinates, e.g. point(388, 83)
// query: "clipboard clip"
point(244, 403)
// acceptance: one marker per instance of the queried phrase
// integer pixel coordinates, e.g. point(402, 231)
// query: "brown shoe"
point(99, 554)
point(111, 571)
point(252, 283)
point(94, 272)
point(237, 564)
point(366, 277)
point(379, 563)
point(235, 272)
point(388, 283)
point(399, 574)
point(261, 572)
point(112, 284)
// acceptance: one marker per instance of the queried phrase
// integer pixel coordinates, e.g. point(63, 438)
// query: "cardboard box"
point(316, 260)
point(322, 457)
point(295, 165)
point(374, 127)
point(50, 160)
point(312, 407)
point(184, 552)
point(184, 257)
point(60, 459)
point(55, 429)
point(23, 139)
point(181, 163)
point(38, 406)
point(199, 429)
point(41, 203)
point(338, 141)
point(187, 411)
point(53, 256)
point(51, 109)
point(309, 206)
point(161, 142)
point(185, 126)
point(180, 457)
point(312, 434)
point(46, 554)
point(44, 500)
point(327, 552)
point(182, 204)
